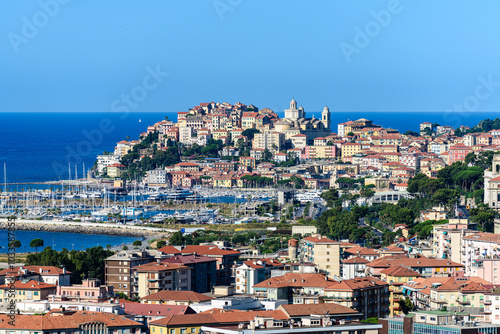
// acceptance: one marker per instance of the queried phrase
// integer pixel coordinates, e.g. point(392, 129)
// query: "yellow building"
point(217, 134)
point(115, 170)
point(323, 252)
point(27, 290)
point(349, 149)
point(397, 276)
point(223, 181)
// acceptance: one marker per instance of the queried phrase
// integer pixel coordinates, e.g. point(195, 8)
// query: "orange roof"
point(42, 270)
point(29, 285)
point(267, 262)
point(356, 283)
point(420, 262)
point(356, 259)
point(400, 271)
point(178, 296)
point(361, 251)
point(73, 320)
point(296, 280)
point(155, 266)
point(203, 250)
point(319, 240)
point(219, 317)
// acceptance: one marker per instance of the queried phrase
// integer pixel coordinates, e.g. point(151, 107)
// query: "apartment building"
point(90, 290)
point(447, 239)
point(254, 271)
point(436, 322)
point(46, 274)
point(368, 295)
point(153, 277)
point(203, 270)
point(26, 290)
point(426, 267)
point(294, 287)
point(269, 140)
point(478, 248)
point(323, 252)
point(118, 269)
point(396, 277)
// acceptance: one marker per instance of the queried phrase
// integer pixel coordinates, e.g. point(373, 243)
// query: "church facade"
point(296, 123)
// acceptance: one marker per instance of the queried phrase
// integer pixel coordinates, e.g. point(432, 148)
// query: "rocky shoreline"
point(86, 229)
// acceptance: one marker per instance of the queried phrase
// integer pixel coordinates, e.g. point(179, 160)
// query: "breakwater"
point(87, 228)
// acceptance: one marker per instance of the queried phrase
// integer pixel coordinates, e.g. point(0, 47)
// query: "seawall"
point(88, 228)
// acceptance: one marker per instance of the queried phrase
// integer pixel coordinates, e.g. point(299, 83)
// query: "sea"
point(38, 147)
point(60, 240)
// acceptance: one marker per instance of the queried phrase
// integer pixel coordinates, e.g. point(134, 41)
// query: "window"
point(193, 330)
point(172, 331)
point(183, 331)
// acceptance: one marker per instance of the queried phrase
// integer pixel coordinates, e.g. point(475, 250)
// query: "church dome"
point(326, 109)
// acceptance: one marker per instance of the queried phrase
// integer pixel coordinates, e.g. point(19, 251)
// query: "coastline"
point(88, 228)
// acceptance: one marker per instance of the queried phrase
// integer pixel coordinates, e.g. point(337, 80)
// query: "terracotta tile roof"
point(319, 240)
point(184, 296)
point(356, 284)
point(169, 250)
point(217, 317)
point(361, 251)
point(45, 270)
point(297, 310)
point(50, 321)
point(483, 236)
point(29, 285)
point(187, 259)
point(420, 262)
point(155, 267)
point(399, 271)
point(296, 280)
point(268, 262)
point(204, 250)
point(156, 310)
point(355, 260)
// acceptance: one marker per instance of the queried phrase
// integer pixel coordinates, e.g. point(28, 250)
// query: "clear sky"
point(366, 55)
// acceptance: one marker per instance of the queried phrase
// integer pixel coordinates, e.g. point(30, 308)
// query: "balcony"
point(438, 301)
point(487, 311)
point(487, 302)
point(463, 301)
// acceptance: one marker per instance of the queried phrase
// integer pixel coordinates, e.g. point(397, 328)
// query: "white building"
point(253, 272)
point(354, 267)
point(157, 176)
point(44, 306)
point(477, 247)
point(104, 160)
point(185, 135)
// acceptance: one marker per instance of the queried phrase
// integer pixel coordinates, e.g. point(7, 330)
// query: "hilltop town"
point(366, 230)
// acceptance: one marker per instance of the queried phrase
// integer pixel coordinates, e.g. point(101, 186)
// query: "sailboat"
point(140, 120)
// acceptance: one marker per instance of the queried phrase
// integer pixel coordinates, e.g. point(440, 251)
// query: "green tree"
point(15, 244)
point(176, 239)
point(137, 243)
point(406, 305)
point(160, 244)
point(35, 243)
point(125, 247)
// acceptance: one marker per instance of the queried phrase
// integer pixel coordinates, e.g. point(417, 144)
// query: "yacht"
point(178, 194)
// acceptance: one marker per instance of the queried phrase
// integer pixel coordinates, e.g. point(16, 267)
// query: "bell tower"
point(325, 118)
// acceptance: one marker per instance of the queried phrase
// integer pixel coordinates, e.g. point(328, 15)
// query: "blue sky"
point(84, 55)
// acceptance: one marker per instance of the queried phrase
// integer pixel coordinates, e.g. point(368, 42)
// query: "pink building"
point(90, 290)
point(487, 269)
